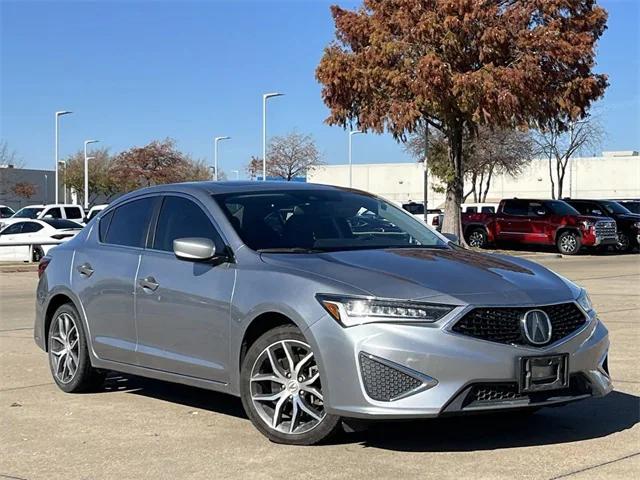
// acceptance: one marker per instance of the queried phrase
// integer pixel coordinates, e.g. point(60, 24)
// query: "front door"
point(182, 307)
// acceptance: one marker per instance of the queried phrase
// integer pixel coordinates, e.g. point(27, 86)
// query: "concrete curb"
point(13, 267)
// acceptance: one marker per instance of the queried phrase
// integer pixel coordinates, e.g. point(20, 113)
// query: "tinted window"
point(615, 207)
point(5, 212)
point(581, 207)
point(414, 208)
point(182, 218)
point(537, 209)
point(73, 212)
point(633, 207)
point(30, 227)
point(305, 221)
point(60, 223)
point(472, 210)
point(13, 229)
point(104, 225)
point(130, 223)
point(515, 207)
point(560, 208)
point(93, 213)
point(53, 213)
point(28, 212)
point(488, 210)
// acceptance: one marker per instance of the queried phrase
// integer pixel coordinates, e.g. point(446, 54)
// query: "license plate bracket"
point(543, 373)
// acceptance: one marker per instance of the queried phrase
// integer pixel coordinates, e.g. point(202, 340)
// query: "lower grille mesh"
point(383, 382)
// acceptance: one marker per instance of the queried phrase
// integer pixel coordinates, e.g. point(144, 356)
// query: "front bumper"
point(449, 365)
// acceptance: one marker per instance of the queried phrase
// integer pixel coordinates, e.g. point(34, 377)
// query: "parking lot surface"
point(138, 428)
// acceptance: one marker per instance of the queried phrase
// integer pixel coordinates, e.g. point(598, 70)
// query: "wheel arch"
point(257, 327)
point(566, 228)
point(54, 303)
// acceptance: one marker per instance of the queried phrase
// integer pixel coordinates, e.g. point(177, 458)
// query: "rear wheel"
point(477, 238)
point(569, 243)
point(68, 353)
point(37, 253)
point(281, 389)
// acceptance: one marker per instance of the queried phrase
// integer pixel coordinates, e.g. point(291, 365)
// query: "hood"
point(454, 275)
point(632, 217)
point(593, 218)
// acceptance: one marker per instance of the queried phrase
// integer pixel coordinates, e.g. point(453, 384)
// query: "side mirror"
point(194, 248)
point(48, 216)
point(452, 237)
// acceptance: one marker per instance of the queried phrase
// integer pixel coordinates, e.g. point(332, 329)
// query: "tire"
point(478, 238)
point(64, 354)
point(569, 243)
point(291, 400)
point(624, 242)
point(37, 253)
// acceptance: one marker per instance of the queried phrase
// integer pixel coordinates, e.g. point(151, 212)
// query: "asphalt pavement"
point(144, 429)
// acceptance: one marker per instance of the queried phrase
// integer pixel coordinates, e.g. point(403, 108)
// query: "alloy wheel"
point(476, 239)
point(285, 387)
point(568, 243)
point(65, 348)
point(623, 242)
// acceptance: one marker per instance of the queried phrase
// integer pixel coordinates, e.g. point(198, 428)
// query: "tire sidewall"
point(320, 432)
point(84, 363)
point(484, 237)
point(627, 247)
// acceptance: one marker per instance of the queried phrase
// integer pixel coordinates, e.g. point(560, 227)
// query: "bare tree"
point(9, 157)
point(486, 154)
point(560, 140)
point(288, 157)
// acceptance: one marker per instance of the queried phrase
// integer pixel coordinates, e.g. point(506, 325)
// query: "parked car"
point(479, 207)
point(539, 222)
point(95, 210)
point(627, 223)
point(633, 205)
point(260, 290)
point(417, 210)
point(32, 232)
point(6, 212)
point(55, 210)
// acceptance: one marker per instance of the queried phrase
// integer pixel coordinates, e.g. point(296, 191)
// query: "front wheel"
point(623, 242)
point(569, 243)
point(281, 389)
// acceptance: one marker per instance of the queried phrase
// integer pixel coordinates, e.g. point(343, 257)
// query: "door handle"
point(85, 270)
point(149, 283)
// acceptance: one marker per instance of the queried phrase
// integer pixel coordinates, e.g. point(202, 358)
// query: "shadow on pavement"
point(175, 393)
point(593, 418)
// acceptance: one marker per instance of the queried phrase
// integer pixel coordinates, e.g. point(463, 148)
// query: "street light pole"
point(215, 156)
point(264, 131)
point(86, 173)
point(58, 115)
point(351, 134)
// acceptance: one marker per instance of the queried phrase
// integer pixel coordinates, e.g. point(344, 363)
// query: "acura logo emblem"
point(536, 327)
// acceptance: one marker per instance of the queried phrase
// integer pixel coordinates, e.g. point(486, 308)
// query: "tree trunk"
point(486, 189)
point(553, 185)
point(454, 191)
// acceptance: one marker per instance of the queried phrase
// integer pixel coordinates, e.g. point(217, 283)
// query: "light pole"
point(571, 127)
point(264, 131)
point(351, 134)
point(58, 115)
point(237, 172)
point(86, 173)
point(62, 165)
point(46, 189)
point(215, 156)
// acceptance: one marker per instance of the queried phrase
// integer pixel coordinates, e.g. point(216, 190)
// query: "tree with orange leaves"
point(456, 65)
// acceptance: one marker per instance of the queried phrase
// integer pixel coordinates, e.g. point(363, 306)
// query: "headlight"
point(350, 311)
point(587, 224)
point(636, 225)
point(584, 301)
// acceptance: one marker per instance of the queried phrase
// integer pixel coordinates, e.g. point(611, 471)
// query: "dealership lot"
point(138, 428)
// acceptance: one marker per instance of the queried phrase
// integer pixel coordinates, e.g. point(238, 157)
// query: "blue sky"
point(134, 71)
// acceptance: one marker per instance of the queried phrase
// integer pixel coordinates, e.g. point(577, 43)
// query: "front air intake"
point(384, 383)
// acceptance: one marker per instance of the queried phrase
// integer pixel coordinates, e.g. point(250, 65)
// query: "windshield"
point(303, 221)
point(614, 207)
point(28, 212)
point(5, 212)
point(559, 207)
point(633, 207)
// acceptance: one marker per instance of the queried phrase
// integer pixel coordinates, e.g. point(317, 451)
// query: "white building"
point(613, 175)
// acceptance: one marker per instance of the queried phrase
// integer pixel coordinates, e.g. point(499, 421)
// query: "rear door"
point(182, 307)
point(103, 275)
point(512, 223)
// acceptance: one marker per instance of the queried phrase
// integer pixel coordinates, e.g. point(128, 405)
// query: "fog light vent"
point(383, 382)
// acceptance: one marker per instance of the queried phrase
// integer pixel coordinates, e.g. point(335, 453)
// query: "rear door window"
point(515, 207)
point(182, 218)
point(73, 212)
point(31, 227)
point(130, 223)
point(13, 229)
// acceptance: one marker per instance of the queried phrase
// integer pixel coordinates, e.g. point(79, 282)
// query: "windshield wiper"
point(289, 250)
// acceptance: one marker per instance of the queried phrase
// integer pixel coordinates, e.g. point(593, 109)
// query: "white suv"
point(54, 210)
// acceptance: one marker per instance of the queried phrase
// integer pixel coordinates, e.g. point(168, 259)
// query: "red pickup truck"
point(541, 222)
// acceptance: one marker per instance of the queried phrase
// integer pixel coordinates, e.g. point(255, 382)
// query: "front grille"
point(606, 229)
point(500, 392)
point(502, 324)
point(385, 383)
